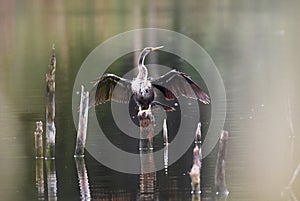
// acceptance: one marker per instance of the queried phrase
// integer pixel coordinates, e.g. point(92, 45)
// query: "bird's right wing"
point(110, 87)
point(175, 83)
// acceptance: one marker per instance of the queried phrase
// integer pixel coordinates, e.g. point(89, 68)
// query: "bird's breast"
point(143, 94)
point(136, 85)
point(139, 85)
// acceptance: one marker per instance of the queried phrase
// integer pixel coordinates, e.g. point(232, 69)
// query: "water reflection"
point(51, 180)
point(39, 178)
point(220, 171)
point(166, 158)
point(83, 179)
point(209, 197)
point(221, 197)
point(196, 197)
point(147, 177)
point(289, 195)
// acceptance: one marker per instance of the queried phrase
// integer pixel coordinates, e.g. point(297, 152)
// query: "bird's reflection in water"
point(83, 179)
point(147, 177)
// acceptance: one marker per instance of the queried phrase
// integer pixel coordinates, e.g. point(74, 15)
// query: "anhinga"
point(171, 85)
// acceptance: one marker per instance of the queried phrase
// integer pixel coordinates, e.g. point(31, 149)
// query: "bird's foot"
point(146, 113)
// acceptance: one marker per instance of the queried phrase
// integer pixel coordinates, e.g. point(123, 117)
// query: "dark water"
point(254, 44)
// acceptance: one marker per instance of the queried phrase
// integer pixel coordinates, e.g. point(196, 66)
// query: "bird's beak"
point(156, 48)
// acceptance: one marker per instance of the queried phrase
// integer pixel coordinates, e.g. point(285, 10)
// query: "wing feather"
point(175, 83)
point(110, 87)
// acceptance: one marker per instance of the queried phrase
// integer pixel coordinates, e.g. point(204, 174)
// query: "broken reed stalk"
point(146, 121)
point(165, 132)
point(82, 123)
point(50, 108)
point(198, 134)
point(220, 182)
point(38, 135)
point(197, 163)
point(166, 143)
point(198, 140)
point(292, 131)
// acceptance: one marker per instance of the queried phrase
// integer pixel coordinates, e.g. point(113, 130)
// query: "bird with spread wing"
point(143, 88)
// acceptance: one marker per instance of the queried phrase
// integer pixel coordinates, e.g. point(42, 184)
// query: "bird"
point(144, 89)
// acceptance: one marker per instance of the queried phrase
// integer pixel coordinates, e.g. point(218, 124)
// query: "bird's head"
point(143, 73)
point(147, 50)
point(151, 49)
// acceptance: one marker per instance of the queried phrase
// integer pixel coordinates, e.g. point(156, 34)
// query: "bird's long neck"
point(143, 72)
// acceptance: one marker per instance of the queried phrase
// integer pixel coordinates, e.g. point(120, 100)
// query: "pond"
point(254, 45)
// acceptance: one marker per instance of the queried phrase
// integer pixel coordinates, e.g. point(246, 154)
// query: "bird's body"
point(143, 89)
point(143, 93)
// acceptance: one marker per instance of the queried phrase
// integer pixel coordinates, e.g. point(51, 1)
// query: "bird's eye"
point(147, 90)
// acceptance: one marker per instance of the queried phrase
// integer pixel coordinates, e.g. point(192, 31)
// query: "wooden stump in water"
point(196, 171)
point(38, 135)
point(50, 108)
point(220, 182)
point(146, 121)
point(82, 123)
point(198, 140)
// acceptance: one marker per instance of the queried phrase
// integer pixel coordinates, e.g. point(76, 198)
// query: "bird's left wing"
point(175, 83)
point(110, 87)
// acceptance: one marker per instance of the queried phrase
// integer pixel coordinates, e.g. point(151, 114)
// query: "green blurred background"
point(254, 44)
